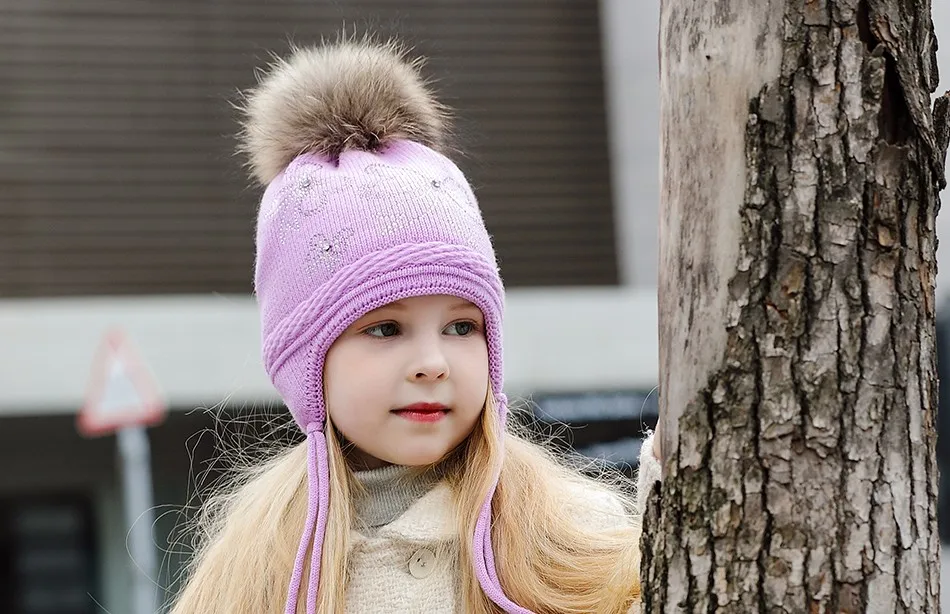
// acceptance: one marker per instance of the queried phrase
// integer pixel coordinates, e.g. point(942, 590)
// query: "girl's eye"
point(386, 329)
point(462, 329)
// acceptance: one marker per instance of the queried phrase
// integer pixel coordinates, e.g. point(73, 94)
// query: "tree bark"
point(801, 165)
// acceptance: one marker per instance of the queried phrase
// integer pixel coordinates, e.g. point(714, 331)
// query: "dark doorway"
point(47, 555)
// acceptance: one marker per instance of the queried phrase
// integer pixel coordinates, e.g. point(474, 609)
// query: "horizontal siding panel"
point(117, 173)
point(485, 11)
point(150, 59)
point(89, 172)
point(461, 32)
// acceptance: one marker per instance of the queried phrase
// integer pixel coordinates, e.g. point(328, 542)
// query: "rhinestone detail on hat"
point(321, 190)
point(393, 223)
point(459, 193)
point(327, 252)
point(436, 195)
point(410, 182)
point(288, 204)
point(308, 194)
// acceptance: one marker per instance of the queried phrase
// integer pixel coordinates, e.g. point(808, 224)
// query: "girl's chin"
point(420, 458)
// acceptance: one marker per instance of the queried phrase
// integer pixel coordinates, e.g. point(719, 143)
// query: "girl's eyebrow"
point(397, 305)
point(463, 305)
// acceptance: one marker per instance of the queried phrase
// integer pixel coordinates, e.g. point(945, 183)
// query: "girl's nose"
point(431, 363)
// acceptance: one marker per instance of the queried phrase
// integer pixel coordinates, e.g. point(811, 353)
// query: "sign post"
point(139, 516)
point(124, 399)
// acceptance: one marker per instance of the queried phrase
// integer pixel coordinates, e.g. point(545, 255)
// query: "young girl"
point(381, 307)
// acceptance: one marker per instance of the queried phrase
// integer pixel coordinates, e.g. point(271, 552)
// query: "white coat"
point(410, 566)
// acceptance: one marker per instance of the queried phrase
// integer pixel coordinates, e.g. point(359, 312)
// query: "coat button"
point(422, 563)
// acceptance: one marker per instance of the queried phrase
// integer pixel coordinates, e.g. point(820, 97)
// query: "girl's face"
point(406, 383)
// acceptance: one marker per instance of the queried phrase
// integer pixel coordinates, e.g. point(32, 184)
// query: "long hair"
point(563, 542)
point(550, 557)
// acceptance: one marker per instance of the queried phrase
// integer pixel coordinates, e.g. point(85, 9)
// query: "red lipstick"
point(423, 412)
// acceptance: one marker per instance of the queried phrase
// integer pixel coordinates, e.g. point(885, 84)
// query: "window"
point(46, 556)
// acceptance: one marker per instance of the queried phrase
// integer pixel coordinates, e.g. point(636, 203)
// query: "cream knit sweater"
point(403, 558)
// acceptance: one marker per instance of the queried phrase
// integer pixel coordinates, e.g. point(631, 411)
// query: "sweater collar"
point(398, 502)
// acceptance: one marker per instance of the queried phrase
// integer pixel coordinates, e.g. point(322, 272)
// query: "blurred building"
point(121, 204)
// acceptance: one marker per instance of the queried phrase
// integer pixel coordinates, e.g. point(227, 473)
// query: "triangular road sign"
point(121, 392)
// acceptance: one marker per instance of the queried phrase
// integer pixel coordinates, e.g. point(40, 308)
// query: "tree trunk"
point(799, 178)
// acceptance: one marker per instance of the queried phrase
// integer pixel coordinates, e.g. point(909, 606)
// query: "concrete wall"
point(631, 66)
point(205, 350)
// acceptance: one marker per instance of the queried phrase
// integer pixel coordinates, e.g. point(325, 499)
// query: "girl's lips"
point(424, 407)
point(423, 412)
point(421, 416)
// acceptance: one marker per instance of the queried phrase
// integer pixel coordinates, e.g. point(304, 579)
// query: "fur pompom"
point(348, 95)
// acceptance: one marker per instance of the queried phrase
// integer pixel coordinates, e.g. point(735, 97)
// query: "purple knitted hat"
point(360, 210)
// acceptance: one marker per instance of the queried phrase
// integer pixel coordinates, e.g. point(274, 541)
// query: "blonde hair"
point(549, 558)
